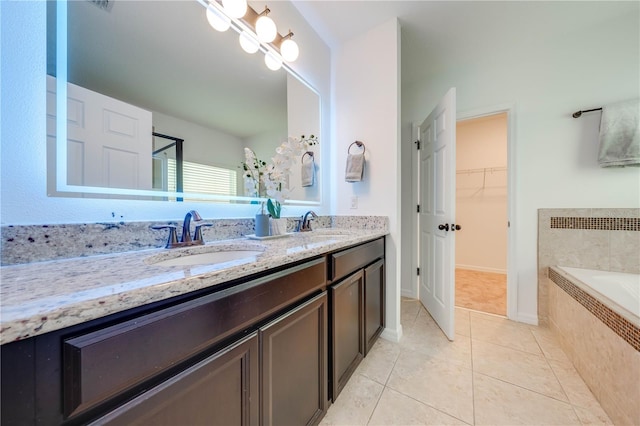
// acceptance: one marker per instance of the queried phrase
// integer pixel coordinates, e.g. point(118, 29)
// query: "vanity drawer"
point(345, 262)
point(108, 362)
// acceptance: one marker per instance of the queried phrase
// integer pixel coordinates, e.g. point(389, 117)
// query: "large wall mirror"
point(177, 103)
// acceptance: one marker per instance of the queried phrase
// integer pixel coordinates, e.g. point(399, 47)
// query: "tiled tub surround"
point(35, 243)
point(603, 345)
point(602, 239)
point(45, 296)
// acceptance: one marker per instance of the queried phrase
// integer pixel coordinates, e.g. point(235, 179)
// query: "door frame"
point(512, 282)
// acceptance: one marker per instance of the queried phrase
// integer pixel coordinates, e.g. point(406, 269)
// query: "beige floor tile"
point(380, 361)
point(356, 402)
point(463, 325)
point(500, 403)
point(592, 416)
point(409, 309)
point(395, 408)
point(519, 368)
point(576, 389)
point(549, 344)
point(503, 332)
point(444, 385)
point(425, 337)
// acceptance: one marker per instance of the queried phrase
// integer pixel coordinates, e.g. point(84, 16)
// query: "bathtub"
point(619, 291)
point(595, 315)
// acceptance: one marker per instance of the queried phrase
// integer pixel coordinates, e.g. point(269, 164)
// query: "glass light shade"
point(217, 20)
point(289, 50)
point(266, 29)
point(248, 42)
point(235, 8)
point(272, 62)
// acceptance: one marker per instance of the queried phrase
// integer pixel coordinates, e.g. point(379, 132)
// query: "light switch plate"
point(354, 201)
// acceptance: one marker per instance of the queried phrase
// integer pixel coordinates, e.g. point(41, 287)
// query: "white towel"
point(308, 171)
point(355, 167)
point(620, 135)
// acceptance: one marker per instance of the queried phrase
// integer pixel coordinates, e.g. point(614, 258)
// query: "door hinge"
point(418, 208)
point(418, 271)
point(417, 143)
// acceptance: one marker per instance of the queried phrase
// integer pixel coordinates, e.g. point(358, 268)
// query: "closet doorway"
point(482, 210)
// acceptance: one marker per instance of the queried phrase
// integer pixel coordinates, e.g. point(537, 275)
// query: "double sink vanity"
point(232, 332)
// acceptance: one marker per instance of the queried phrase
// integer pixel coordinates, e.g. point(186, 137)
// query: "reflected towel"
point(620, 135)
point(355, 167)
point(308, 171)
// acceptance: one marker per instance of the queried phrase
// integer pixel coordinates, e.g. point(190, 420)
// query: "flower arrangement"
point(275, 175)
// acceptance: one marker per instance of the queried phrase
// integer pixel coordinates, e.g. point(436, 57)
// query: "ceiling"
point(457, 29)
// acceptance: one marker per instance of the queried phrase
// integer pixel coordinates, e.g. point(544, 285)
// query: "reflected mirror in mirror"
point(139, 69)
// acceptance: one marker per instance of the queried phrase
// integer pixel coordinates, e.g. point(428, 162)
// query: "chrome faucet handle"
point(197, 235)
point(172, 241)
point(299, 224)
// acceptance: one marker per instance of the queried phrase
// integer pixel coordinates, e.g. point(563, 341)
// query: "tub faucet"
point(304, 224)
point(186, 227)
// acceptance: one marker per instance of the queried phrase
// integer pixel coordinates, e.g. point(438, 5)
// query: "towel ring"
point(359, 144)
point(309, 153)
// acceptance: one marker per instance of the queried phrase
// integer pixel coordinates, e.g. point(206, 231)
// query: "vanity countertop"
point(37, 298)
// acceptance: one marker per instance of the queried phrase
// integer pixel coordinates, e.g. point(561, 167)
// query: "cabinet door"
point(220, 390)
point(374, 299)
point(294, 365)
point(347, 329)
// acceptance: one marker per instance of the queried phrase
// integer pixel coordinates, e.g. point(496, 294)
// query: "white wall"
point(367, 108)
point(23, 171)
point(481, 194)
point(547, 77)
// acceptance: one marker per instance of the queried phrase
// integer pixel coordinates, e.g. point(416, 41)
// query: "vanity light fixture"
point(217, 19)
point(256, 30)
point(248, 42)
point(289, 48)
point(272, 61)
point(265, 27)
point(235, 8)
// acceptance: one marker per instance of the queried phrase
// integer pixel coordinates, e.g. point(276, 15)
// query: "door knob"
point(455, 227)
point(444, 227)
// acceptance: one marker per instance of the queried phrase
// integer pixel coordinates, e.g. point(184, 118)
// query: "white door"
point(109, 142)
point(437, 212)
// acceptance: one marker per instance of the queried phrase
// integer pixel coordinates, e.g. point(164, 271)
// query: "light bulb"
point(289, 50)
point(217, 20)
point(248, 43)
point(266, 29)
point(272, 62)
point(235, 8)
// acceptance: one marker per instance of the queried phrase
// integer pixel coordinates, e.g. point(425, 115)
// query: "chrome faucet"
point(186, 226)
point(185, 239)
point(304, 223)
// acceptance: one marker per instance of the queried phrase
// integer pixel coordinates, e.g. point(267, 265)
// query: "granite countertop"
point(37, 298)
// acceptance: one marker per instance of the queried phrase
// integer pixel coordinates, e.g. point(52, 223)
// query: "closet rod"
point(577, 114)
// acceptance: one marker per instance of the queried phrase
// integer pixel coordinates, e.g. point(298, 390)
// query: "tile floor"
point(496, 372)
point(481, 291)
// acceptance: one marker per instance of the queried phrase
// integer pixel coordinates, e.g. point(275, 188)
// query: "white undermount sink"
point(209, 258)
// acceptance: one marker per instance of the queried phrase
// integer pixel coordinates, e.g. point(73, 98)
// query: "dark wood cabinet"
point(347, 331)
point(220, 390)
point(357, 308)
point(374, 297)
point(294, 365)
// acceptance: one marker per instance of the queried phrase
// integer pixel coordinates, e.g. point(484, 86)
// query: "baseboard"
point(408, 293)
point(392, 335)
point(527, 319)
point(481, 269)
